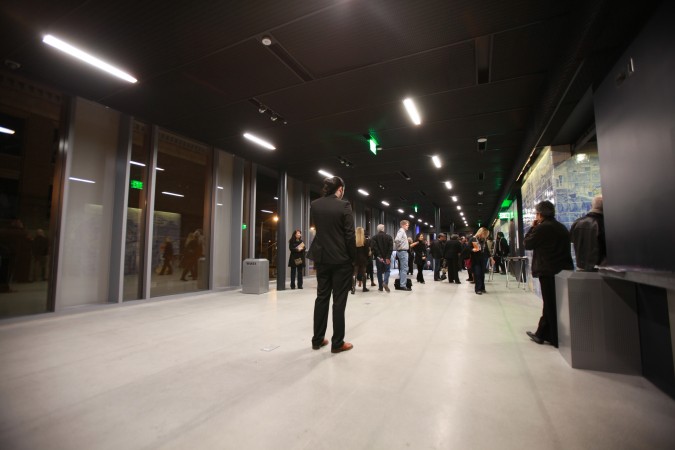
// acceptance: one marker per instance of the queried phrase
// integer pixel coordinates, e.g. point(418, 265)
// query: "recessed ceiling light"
point(419, 220)
point(459, 207)
point(220, 187)
point(266, 40)
point(426, 223)
point(461, 214)
point(136, 163)
point(362, 192)
point(325, 174)
point(482, 139)
point(89, 59)
point(454, 198)
point(412, 111)
point(266, 211)
point(437, 161)
point(400, 210)
point(259, 141)
point(6, 130)
point(173, 194)
point(448, 185)
point(385, 203)
point(84, 180)
point(411, 216)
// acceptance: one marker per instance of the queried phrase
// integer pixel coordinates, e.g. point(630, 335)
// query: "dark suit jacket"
point(334, 242)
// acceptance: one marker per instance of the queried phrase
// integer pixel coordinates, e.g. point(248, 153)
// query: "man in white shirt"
point(401, 247)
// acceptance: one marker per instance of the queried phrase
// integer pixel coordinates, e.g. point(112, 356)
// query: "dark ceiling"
point(517, 72)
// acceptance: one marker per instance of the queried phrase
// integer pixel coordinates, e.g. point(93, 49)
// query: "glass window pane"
point(136, 203)
point(27, 158)
point(179, 220)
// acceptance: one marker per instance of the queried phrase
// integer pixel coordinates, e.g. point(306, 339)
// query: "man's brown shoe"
point(346, 346)
point(323, 344)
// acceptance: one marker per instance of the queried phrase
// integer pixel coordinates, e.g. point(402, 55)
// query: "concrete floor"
point(435, 368)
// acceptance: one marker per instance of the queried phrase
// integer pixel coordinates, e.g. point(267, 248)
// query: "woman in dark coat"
point(480, 255)
point(297, 255)
point(419, 248)
point(452, 252)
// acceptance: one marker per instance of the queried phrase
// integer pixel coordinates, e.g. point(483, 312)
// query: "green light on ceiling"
point(372, 144)
point(243, 226)
point(415, 207)
point(136, 184)
point(506, 203)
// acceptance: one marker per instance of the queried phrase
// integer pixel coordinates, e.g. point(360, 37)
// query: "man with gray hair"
point(588, 236)
point(382, 245)
point(401, 245)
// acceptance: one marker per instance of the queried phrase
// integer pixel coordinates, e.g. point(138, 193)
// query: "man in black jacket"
point(550, 241)
point(501, 252)
point(382, 245)
point(333, 251)
point(437, 248)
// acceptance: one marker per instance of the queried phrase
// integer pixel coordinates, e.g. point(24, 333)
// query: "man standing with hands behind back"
point(550, 241)
point(333, 251)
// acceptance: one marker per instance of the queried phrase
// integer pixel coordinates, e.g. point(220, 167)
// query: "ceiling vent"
point(481, 176)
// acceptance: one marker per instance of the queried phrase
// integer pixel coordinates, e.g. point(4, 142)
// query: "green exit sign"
point(506, 215)
point(136, 184)
point(243, 226)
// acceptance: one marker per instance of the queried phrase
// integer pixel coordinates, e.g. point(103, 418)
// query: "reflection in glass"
point(27, 160)
point(136, 204)
point(179, 262)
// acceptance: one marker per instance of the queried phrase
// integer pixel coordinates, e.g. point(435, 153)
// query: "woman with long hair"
point(480, 255)
point(361, 258)
point(419, 248)
point(296, 260)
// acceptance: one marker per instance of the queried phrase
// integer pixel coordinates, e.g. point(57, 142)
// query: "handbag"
point(298, 261)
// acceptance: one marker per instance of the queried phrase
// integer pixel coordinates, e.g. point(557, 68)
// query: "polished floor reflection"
point(435, 368)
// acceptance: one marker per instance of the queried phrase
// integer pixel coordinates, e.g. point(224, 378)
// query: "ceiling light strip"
point(412, 111)
point(86, 57)
point(261, 142)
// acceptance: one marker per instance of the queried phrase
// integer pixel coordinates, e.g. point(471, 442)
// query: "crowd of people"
point(342, 255)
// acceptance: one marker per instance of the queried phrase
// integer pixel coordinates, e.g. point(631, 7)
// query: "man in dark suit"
point(550, 241)
point(333, 251)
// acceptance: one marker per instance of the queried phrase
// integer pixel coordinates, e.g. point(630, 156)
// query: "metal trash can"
point(255, 276)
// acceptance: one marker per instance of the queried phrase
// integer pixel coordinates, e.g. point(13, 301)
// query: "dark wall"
point(635, 122)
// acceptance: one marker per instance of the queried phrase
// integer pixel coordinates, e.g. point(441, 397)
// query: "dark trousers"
point(294, 270)
point(420, 271)
point(453, 267)
point(478, 267)
point(548, 324)
point(333, 279)
point(437, 268)
point(500, 266)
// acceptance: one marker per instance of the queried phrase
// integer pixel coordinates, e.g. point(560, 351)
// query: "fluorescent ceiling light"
point(325, 174)
point(461, 214)
point(266, 211)
point(89, 59)
point(362, 192)
point(411, 216)
point(219, 187)
point(412, 111)
point(400, 210)
point(385, 203)
point(454, 198)
point(448, 185)
point(482, 139)
point(419, 220)
point(276, 198)
point(136, 163)
point(259, 141)
point(83, 180)
point(426, 223)
point(431, 226)
point(159, 168)
point(459, 207)
point(219, 204)
point(6, 130)
point(437, 161)
point(173, 194)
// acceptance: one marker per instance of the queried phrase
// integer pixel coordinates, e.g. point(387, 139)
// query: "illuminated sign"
point(506, 215)
point(136, 184)
point(243, 226)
